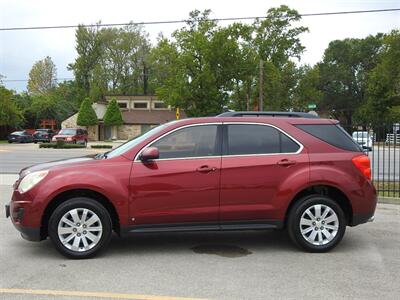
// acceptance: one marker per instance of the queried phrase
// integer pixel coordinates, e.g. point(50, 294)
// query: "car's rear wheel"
point(316, 223)
point(80, 228)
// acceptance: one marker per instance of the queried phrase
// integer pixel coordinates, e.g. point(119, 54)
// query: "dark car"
point(231, 172)
point(43, 135)
point(71, 135)
point(20, 137)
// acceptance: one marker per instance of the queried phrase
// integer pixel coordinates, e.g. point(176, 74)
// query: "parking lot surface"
point(211, 265)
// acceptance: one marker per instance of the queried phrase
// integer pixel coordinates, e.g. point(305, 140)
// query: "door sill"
point(203, 226)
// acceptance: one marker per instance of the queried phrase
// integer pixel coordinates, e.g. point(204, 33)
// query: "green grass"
point(388, 189)
point(3, 141)
point(61, 146)
point(101, 146)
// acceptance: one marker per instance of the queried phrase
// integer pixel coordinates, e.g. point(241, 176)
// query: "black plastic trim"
point(29, 233)
point(267, 114)
point(361, 218)
point(203, 226)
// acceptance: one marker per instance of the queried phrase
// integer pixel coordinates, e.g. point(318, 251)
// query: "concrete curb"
point(389, 200)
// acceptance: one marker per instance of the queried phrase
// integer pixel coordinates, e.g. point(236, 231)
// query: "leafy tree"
point(42, 77)
point(383, 89)
point(87, 116)
point(344, 72)
point(113, 116)
point(308, 89)
point(10, 114)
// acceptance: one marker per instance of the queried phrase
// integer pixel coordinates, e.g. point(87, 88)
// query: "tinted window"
point(193, 141)
point(67, 132)
point(332, 134)
point(140, 105)
point(258, 139)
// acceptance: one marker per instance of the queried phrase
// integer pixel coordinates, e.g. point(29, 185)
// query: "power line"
point(24, 80)
point(184, 21)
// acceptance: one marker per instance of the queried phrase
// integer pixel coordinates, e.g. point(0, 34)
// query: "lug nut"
point(314, 223)
point(84, 232)
point(316, 228)
point(84, 225)
point(74, 230)
point(78, 234)
point(78, 224)
point(322, 227)
point(323, 222)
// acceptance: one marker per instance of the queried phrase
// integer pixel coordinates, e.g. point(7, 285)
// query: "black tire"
point(35, 142)
point(86, 203)
point(294, 227)
point(10, 142)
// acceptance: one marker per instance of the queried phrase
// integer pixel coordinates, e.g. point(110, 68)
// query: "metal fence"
point(382, 145)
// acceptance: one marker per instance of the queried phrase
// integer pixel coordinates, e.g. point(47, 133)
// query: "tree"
point(113, 116)
point(344, 72)
point(42, 77)
point(307, 90)
point(10, 114)
point(86, 115)
point(383, 85)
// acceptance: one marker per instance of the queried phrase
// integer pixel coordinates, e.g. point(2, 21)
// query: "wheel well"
point(64, 196)
point(326, 190)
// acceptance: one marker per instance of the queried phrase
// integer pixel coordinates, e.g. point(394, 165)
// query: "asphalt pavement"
point(210, 265)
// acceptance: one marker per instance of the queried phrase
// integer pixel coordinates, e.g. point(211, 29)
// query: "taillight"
point(363, 164)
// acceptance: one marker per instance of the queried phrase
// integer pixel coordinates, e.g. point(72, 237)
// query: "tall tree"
point(42, 77)
point(86, 115)
point(344, 71)
point(10, 114)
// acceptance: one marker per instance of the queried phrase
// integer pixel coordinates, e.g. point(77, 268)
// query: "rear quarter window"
point(332, 134)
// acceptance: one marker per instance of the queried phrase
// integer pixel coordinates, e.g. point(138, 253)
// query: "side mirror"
point(149, 154)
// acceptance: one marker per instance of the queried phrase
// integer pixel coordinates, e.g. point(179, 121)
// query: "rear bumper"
point(362, 218)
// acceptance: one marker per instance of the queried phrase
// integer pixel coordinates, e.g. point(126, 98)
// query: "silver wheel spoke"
point(80, 233)
point(75, 216)
point(306, 222)
point(321, 227)
point(66, 221)
point(92, 220)
point(317, 209)
point(65, 230)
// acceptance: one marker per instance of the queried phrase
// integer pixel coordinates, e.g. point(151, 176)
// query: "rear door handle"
point(286, 162)
point(205, 169)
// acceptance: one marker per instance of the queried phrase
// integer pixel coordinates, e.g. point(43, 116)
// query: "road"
point(211, 265)
point(14, 157)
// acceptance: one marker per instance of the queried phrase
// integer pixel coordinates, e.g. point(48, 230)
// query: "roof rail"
point(267, 114)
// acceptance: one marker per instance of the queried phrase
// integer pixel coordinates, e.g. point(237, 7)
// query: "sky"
point(19, 50)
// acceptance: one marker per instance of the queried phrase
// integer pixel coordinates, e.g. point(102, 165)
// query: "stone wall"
point(93, 131)
point(126, 132)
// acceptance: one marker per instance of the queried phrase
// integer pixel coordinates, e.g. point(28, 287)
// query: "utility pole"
point(261, 86)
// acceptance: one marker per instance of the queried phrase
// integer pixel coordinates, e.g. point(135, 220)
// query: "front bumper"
point(28, 233)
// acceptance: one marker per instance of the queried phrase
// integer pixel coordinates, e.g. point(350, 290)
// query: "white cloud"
point(20, 49)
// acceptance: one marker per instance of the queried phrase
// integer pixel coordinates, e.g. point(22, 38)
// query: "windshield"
point(17, 133)
point(67, 132)
point(360, 135)
point(133, 142)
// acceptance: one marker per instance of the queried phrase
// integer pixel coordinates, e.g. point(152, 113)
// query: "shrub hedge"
point(61, 145)
point(101, 146)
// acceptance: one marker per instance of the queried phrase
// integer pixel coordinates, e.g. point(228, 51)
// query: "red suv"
point(72, 135)
point(237, 171)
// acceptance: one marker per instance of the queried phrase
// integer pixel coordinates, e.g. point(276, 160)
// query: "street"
point(212, 265)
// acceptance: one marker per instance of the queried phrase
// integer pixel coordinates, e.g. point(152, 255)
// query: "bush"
point(86, 115)
point(61, 145)
point(113, 116)
point(101, 146)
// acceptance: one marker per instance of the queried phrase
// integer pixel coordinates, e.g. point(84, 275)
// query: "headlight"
point(69, 138)
point(30, 180)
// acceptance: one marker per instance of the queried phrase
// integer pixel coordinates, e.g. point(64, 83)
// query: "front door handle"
point(205, 169)
point(286, 162)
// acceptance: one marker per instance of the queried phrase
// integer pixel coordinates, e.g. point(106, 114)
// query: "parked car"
point(43, 135)
point(72, 135)
point(364, 139)
point(20, 137)
point(231, 172)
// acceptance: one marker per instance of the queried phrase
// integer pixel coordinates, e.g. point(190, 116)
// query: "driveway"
point(211, 265)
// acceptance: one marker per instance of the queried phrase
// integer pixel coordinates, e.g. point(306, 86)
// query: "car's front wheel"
point(316, 223)
point(80, 228)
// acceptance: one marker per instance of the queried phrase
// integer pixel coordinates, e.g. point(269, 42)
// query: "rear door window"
point(332, 134)
point(244, 139)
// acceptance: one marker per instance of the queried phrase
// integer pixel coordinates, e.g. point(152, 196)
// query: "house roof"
point(149, 116)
